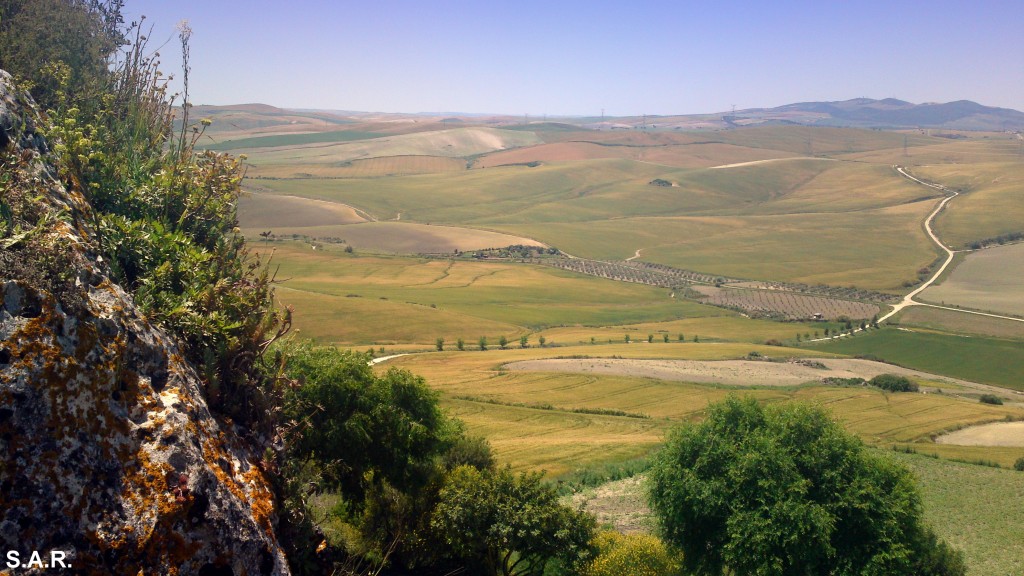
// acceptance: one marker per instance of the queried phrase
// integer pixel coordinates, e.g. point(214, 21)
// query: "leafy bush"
point(1019, 464)
point(508, 524)
point(893, 383)
point(990, 399)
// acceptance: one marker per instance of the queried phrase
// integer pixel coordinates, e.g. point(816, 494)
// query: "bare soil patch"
point(725, 372)
point(995, 434)
point(622, 504)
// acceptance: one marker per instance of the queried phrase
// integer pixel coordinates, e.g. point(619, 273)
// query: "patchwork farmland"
point(759, 234)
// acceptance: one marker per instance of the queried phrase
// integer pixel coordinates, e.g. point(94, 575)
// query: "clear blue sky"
point(577, 57)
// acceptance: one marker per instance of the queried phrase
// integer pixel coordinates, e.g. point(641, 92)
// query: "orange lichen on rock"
point(109, 450)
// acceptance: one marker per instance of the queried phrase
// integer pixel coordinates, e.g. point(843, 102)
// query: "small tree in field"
point(785, 490)
point(681, 337)
point(503, 342)
point(523, 341)
point(542, 341)
point(440, 344)
point(664, 338)
point(627, 338)
point(483, 343)
point(460, 344)
point(650, 338)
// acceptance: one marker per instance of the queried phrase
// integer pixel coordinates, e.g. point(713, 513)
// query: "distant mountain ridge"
point(889, 113)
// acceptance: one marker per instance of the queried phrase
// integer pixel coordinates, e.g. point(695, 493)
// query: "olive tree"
point(785, 490)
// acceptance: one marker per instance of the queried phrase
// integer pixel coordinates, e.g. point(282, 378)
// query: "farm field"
point(388, 166)
point(687, 155)
point(788, 305)
point(809, 248)
point(727, 327)
point(276, 140)
point(465, 298)
point(263, 211)
point(399, 237)
point(982, 282)
point(490, 382)
point(995, 434)
point(960, 322)
point(457, 142)
point(764, 205)
point(992, 202)
point(999, 362)
point(976, 509)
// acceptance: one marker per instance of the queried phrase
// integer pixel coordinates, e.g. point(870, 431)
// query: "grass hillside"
point(458, 142)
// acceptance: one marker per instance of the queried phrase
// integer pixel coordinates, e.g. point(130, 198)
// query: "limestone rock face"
point(108, 451)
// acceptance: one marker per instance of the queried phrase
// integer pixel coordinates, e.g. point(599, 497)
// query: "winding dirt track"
point(908, 300)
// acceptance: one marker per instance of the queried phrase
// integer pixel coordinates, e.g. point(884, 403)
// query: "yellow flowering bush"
point(631, 555)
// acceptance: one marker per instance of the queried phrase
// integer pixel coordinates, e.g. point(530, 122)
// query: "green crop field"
point(987, 360)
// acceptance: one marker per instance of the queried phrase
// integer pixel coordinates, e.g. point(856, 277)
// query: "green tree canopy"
point(508, 524)
point(358, 426)
point(785, 490)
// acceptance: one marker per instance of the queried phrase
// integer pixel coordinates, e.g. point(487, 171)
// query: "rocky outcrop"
point(108, 451)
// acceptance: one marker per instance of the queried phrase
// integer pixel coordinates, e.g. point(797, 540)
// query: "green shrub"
point(1019, 464)
point(990, 399)
point(893, 383)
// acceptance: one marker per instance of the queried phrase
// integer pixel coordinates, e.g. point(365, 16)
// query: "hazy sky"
point(575, 57)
